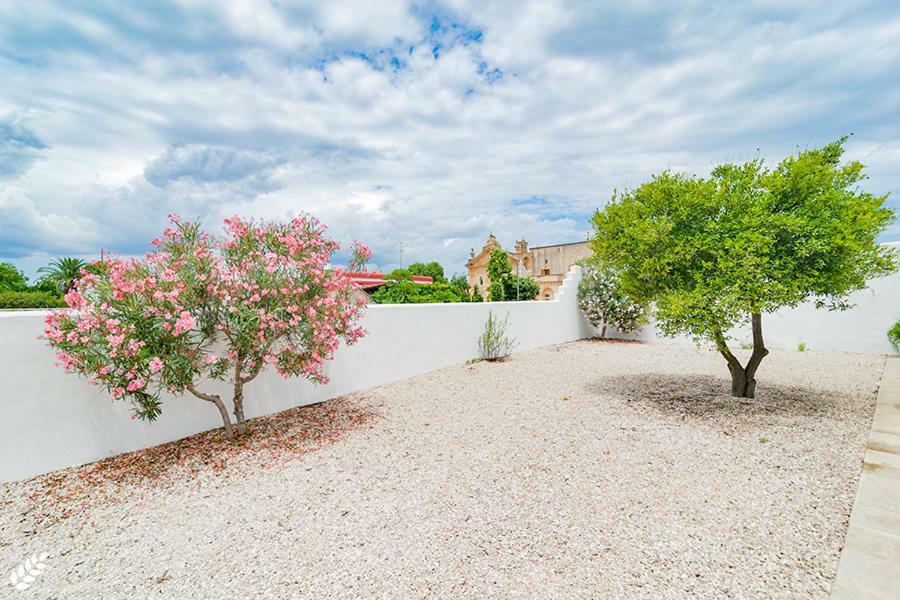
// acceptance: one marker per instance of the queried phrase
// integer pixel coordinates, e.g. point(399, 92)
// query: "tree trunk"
point(743, 379)
point(217, 401)
point(239, 398)
point(239, 407)
point(603, 331)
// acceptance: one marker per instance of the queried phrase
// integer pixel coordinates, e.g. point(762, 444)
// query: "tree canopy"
point(431, 269)
point(504, 285)
point(714, 253)
point(62, 273)
point(11, 278)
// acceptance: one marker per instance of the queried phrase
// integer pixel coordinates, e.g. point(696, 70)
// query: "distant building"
point(547, 265)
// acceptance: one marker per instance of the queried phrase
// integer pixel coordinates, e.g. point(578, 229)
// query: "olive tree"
point(719, 252)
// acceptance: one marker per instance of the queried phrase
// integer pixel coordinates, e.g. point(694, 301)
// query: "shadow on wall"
point(708, 399)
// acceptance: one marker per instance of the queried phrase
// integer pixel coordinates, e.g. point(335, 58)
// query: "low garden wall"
point(50, 419)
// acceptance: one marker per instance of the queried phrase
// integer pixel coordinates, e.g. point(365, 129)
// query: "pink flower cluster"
point(200, 307)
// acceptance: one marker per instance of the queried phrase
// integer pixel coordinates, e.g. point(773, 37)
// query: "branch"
point(259, 365)
point(203, 396)
point(759, 347)
point(722, 347)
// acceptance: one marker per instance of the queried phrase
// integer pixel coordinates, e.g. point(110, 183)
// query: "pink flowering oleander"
point(200, 307)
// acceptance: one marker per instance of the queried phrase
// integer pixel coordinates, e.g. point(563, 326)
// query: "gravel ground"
point(585, 470)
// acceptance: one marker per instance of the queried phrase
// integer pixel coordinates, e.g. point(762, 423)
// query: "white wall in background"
point(50, 419)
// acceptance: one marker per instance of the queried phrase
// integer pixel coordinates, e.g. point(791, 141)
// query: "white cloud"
point(267, 109)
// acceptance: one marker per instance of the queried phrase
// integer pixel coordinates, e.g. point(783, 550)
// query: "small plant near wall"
point(603, 303)
point(494, 344)
point(801, 347)
point(201, 308)
point(894, 336)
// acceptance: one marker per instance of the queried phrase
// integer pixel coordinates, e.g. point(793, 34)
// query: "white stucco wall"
point(50, 419)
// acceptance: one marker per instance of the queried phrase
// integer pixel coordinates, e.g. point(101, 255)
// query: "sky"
point(416, 127)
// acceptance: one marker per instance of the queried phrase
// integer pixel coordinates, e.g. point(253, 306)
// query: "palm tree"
point(63, 273)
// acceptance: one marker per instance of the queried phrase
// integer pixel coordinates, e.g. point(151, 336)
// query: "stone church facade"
point(547, 265)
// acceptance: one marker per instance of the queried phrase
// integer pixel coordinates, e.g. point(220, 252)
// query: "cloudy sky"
point(417, 127)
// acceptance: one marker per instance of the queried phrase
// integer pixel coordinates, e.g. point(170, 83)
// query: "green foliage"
point(521, 288)
point(408, 292)
point(400, 275)
point(709, 252)
point(431, 269)
point(894, 336)
point(30, 299)
point(11, 278)
point(496, 291)
point(62, 273)
point(603, 303)
point(494, 344)
point(404, 291)
point(504, 285)
point(498, 265)
point(801, 347)
point(460, 282)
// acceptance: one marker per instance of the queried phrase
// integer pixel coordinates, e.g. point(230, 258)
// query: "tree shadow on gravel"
point(704, 397)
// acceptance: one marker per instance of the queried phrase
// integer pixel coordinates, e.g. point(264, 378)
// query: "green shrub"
point(894, 336)
point(407, 292)
point(15, 300)
point(520, 288)
point(494, 344)
point(603, 302)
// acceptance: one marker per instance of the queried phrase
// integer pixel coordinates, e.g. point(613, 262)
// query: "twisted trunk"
point(240, 379)
point(217, 401)
point(743, 379)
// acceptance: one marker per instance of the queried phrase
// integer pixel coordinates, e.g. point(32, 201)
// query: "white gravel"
point(586, 470)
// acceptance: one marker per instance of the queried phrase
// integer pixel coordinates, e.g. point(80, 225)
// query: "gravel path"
point(586, 470)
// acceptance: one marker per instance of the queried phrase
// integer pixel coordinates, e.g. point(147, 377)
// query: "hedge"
point(9, 299)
